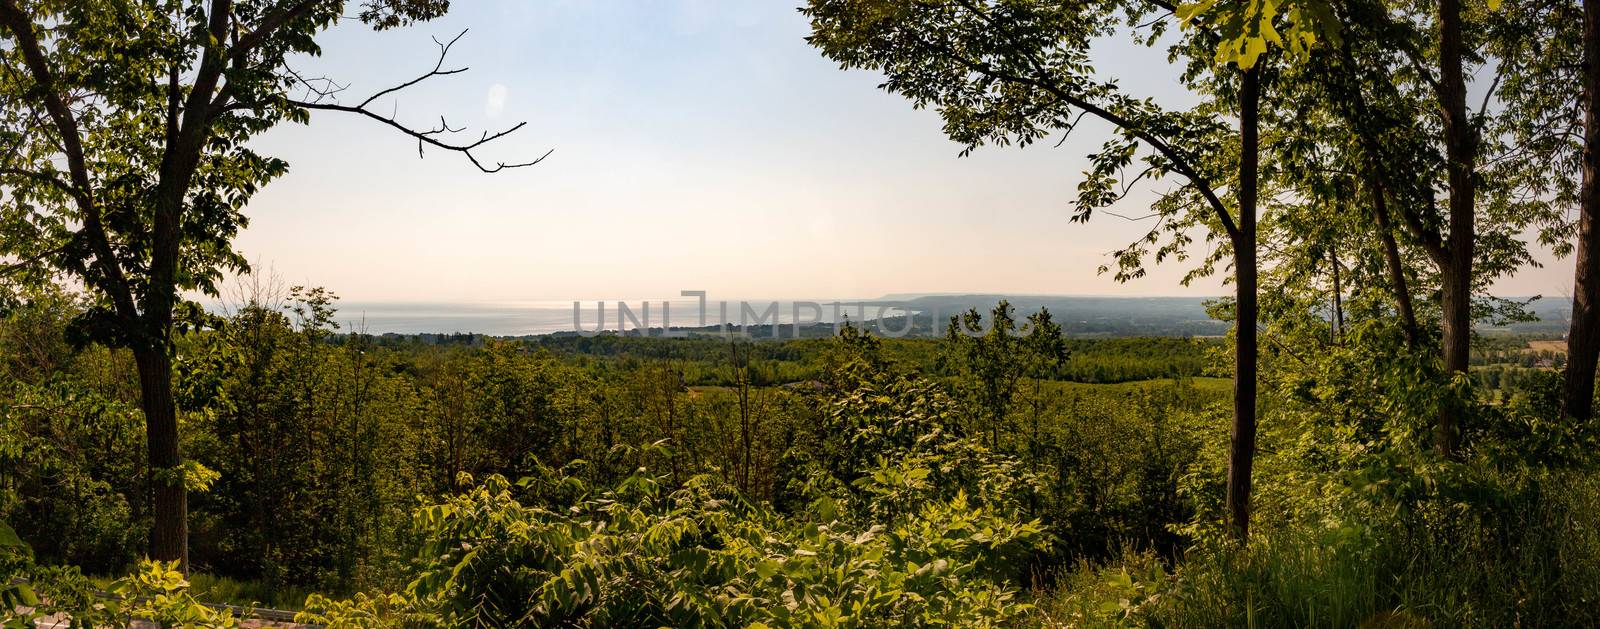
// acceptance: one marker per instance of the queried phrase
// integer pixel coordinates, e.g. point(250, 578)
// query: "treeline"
point(701, 357)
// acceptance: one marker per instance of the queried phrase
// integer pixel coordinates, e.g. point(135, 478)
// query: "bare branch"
point(30, 261)
point(317, 97)
point(1483, 108)
point(426, 137)
point(444, 50)
point(1071, 126)
point(317, 88)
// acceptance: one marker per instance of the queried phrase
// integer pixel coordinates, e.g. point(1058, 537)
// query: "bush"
point(637, 555)
point(155, 592)
point(929, 530)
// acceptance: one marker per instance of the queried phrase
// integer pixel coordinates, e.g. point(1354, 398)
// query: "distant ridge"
point(1081, 315)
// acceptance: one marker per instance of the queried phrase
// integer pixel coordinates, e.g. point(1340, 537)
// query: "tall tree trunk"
point(1397, 269)
point(1583, 340)
point(1456, 303)
point(1337, 325)
point(169, 540)
point(1242, 448)
point(1456, 272)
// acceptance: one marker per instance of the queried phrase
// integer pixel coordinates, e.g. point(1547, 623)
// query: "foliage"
point(155, 592)
point(1246, 28)
point(852, 481)
point(932, 534)
point(141, 194)
point(70, 442)
point(1109, 494)
point(128, 164)
point(989, 361)
point(1360, 522)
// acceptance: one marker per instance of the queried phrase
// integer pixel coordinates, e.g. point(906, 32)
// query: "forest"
point(186, 441)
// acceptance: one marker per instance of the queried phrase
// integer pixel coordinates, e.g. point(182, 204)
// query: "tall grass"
point(258, 594)
point(1532, 559)
point(208, 588)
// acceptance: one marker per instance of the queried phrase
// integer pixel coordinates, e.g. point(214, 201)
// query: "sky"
point(698, 145)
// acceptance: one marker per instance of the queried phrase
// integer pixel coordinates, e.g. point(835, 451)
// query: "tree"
point(1540, 50)
point(1399, 82)
point(753, 403)
point(126, 127)
point(1454, 255)
point(1014, 72)
point(995, 359)
point(1583, 339)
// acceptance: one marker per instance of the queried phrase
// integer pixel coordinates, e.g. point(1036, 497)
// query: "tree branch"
point(444, 50)
point(30, 261)
point(425, 137)
point(268, 25)
point(1431, 241)
point(44, 178)
point(1179, 163)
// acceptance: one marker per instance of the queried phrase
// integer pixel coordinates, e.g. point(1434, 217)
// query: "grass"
point(214, 589)
point(1557, 346)
point(1532, 560)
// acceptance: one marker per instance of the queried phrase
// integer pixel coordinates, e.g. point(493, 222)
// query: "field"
point(1548, 345)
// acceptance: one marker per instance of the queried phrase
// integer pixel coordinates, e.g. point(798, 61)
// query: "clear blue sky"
point(698, 145)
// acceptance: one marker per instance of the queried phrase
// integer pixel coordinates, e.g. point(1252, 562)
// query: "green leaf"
point(27, 595)
point(9, 538)
point(1253, 49)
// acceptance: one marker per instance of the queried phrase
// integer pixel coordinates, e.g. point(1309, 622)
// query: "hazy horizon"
point(521, 317)
point(1132, 315)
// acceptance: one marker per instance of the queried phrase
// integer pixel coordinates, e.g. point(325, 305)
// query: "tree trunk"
point(1397, 269)
point(1456, 272)
point(169, 540)
point(1242, 448)
point(1456, 303)
point(1336, 326)
point(1583, 339)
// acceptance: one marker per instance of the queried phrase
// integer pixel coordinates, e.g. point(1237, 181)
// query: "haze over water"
point(545, 317)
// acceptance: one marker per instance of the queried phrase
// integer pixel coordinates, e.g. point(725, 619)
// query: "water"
point(544, 317)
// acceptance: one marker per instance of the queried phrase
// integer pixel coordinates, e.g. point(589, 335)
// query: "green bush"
point(154, 592)
point(901, 524)
point(638, 555)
